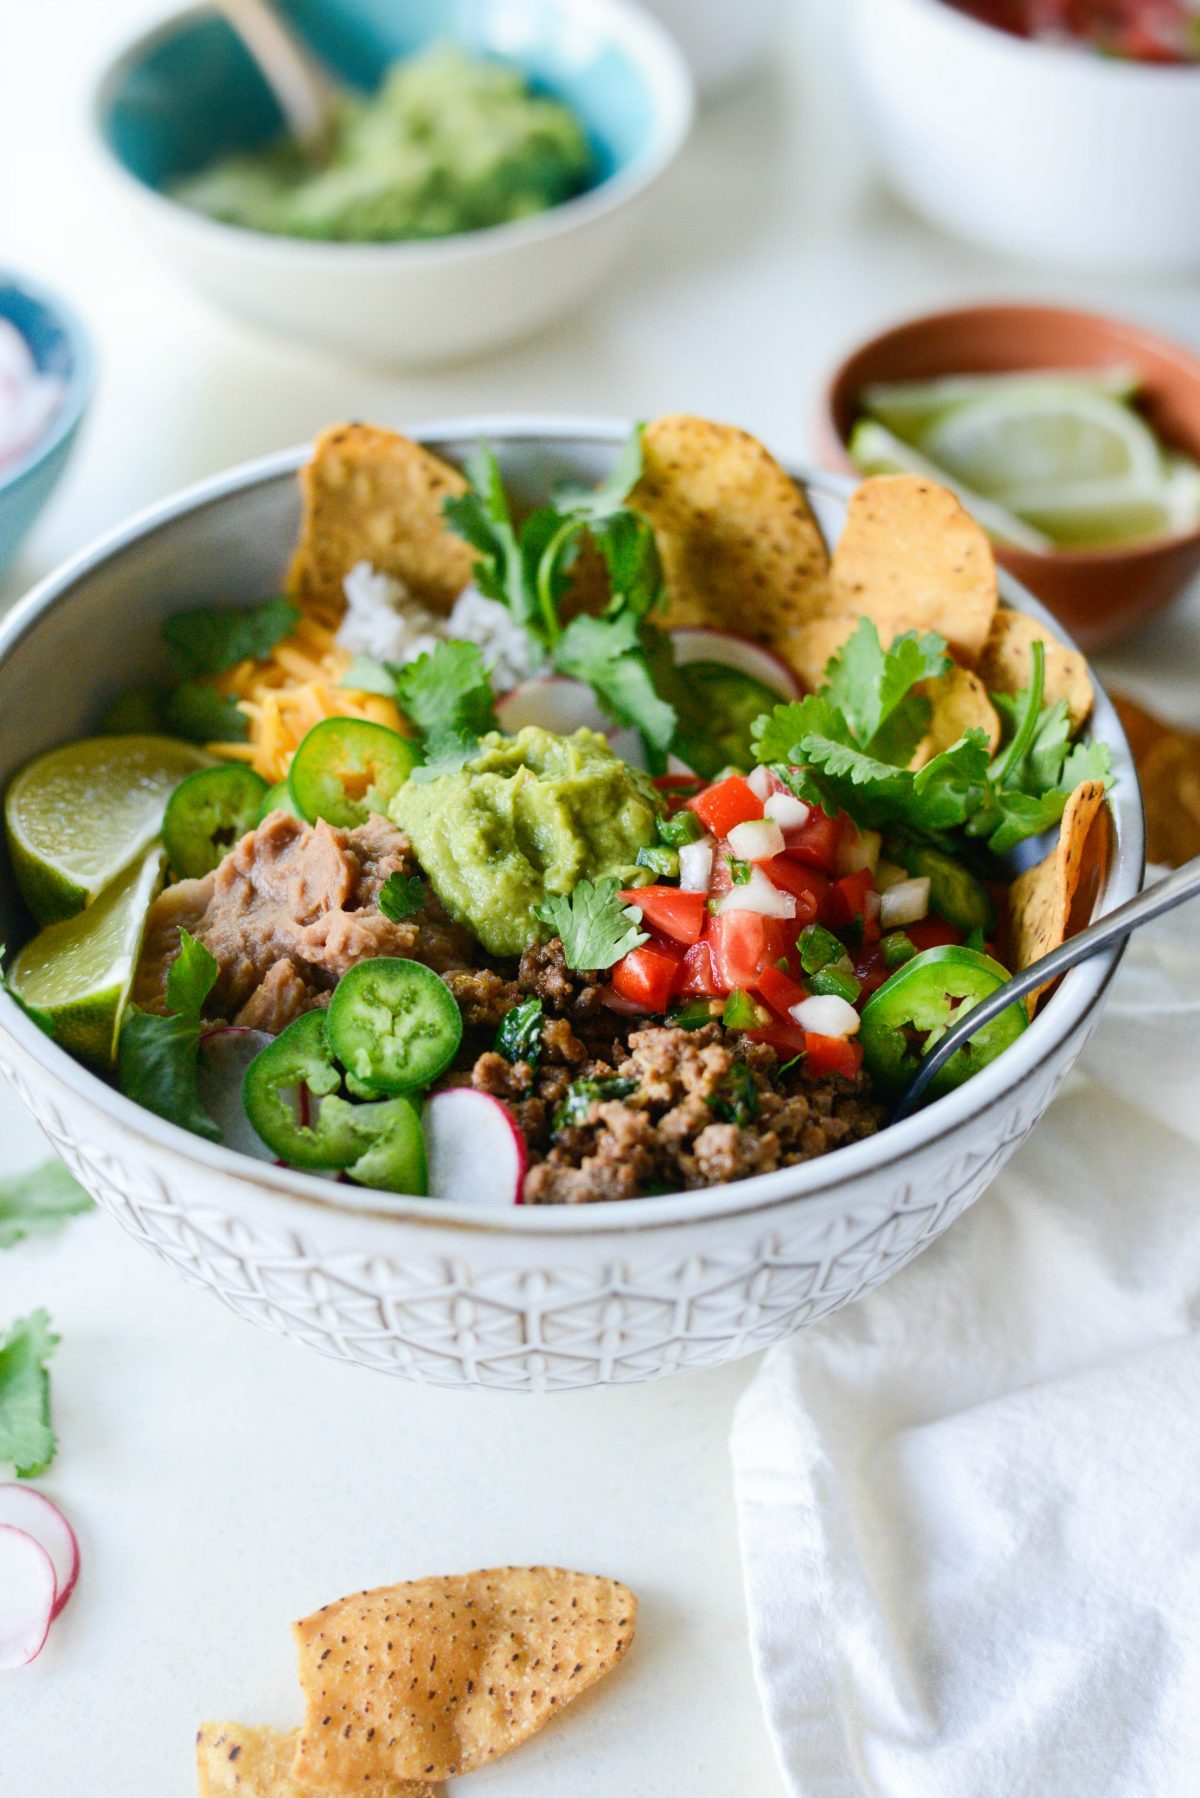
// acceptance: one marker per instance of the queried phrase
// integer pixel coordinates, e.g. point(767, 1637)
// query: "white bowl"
point(405, 304)
point(528, 1298)
point(1049, 154)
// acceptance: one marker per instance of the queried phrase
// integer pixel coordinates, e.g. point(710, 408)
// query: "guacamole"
point(531, 815)
point(450, 143)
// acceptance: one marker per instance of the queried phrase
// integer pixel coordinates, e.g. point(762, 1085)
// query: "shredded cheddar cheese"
point(283, 697)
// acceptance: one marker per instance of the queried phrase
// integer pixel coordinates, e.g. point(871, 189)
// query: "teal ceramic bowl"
point(187, 92)
point(60, 347)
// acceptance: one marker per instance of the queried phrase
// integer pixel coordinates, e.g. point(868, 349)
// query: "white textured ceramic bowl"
point(1049, 154)
point(184, 92)
point(528, 1299)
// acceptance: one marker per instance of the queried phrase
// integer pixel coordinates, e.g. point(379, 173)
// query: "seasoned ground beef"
point(290, 908)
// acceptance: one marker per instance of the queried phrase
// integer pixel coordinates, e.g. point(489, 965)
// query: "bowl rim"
point(1074, 58)
point(647, 43)
point(826, 1182)
point(1021, 311)
point(79, 385)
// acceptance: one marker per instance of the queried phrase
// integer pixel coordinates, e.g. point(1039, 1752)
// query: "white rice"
point(383, 621)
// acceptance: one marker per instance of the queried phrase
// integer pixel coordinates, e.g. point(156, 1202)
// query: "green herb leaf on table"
point(39, 1202)
point(212, 639)
point(519, 1037)
point(400, 896)
point(596, 926)
point(27, 1442)
point(158, 1057)
point(583, 1094)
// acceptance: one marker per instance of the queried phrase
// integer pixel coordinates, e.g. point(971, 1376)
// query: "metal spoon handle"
point(1163, 896)
point(293, 75)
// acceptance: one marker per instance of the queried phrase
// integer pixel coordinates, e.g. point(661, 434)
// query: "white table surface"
point(224, 1482)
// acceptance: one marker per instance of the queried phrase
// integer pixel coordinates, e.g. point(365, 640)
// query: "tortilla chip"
point(235, 1762)
point(960, 703)
point(740, 548)
point(374, 496)
point(909, 551)
point(1006, 665)
point(1041, 899)
point(438, 1676)
point(1170, 776)
point(810, 649)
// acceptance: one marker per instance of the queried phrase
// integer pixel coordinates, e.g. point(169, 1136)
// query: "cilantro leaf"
point(868, 685)
point(1087, 761)
point(197, 712)
point(401, 895)
point(366, 675)
point(27, 1442)
point(778, 734)
point(595, 505)
point(736, 1100)
point(212, 639)
point(39, 1202)
point(583, 1094)
point(608, 654)
point(596, 926)
point(158, 1057)
point(448, 696)
point(35, 1013)
point(519, 1037)
point(483, 519)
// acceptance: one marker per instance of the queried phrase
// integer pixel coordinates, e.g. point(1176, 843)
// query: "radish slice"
point(553, 703)
point(477, 1155)
point(705, 643)
point(27, 1591)
point(24, 1509)
point(224, 1057)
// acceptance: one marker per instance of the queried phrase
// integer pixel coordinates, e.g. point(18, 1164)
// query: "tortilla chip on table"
point(234, 1761)
point(438, 1676)
point(373, 496)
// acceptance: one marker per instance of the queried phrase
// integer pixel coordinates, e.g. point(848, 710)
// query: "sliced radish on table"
point(22, 1508)
point(477, 1155)
point(706, 643)
point(27, 1589)
point(225, 1054)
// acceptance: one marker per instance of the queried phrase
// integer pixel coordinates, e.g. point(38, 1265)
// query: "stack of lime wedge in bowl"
point(83, 829)
point(1055, 460)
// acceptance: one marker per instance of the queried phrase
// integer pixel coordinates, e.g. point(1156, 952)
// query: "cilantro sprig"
point(158, 1057)
point(27, 1441)
point(400, 896)
point(597, 927)
point(528, 568)
point(39, 1202)
point(847, 747)
point(212, 639)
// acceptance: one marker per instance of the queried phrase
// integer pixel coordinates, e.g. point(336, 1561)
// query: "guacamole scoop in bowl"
point(449, 143)
point(529, 817)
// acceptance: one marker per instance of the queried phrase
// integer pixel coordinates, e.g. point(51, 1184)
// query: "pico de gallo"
point(1163, 31)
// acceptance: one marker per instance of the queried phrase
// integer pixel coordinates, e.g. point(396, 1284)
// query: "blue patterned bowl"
point(60, 347)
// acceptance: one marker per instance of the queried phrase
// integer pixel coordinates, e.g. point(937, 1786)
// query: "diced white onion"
point(696, 865)
point(759, 782)
point(888, 874)
point(788, 812)
point(826, 1015)
point(858, 850)
point(757, 840)
point(758, 895)
point(905, 903)
point(872, 905)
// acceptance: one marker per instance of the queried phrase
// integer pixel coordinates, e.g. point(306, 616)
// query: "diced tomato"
point(743, 943)
point(672, 913)
point(731, 802)
point(816, 842)
point(779, 990)
point(677, 789)
point(646, 975)
point(696, 977)
point(782, 1035)
point(808, 886)
point(846, 900)
point(932, 932)
point(832, 1055)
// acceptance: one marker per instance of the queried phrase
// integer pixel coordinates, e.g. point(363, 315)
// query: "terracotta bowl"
point(1099, 594)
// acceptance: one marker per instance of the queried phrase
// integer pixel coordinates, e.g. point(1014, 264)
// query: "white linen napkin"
point(970, 1504)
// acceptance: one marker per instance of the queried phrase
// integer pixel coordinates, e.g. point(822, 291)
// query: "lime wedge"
point(81, 971)
point(875, 450)
point(79, 816)
point(1058, 437)
point(910, 407)
point(1091, 514)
